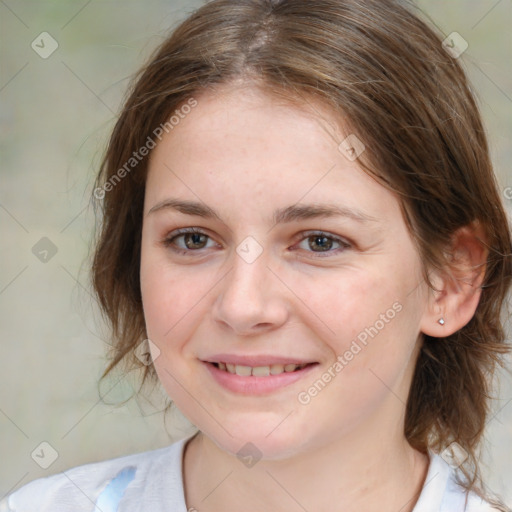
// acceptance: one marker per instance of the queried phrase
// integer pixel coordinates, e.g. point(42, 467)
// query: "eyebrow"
point(291, 213)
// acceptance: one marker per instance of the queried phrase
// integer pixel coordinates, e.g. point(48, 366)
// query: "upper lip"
point(256, 360)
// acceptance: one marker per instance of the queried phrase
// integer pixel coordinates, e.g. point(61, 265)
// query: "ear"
point(458, 287)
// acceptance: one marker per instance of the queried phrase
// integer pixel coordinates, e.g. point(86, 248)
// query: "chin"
point(259, 437)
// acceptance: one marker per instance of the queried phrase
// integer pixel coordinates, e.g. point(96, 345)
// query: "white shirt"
point(152, 481)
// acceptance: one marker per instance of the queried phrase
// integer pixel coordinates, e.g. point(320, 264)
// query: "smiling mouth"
point(260, 371)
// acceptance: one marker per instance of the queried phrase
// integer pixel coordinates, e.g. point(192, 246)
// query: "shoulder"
point(442, 491)
point(126, 478)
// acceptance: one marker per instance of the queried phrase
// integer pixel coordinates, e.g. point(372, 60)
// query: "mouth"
point(263, 379)
point(259, 371)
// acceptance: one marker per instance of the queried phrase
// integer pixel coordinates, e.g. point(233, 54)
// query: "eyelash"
point(169, 241)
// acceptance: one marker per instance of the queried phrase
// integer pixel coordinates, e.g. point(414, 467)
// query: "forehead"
point(236, 112)
point(244, 147)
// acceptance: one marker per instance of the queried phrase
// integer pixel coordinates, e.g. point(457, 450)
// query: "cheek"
point(172, 304)
point(372, 316)
point(357, 301)
point(174, 299)
point(375, 319)
point(163, 306)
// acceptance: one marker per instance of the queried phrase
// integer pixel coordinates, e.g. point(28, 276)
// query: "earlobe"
point(458, 288)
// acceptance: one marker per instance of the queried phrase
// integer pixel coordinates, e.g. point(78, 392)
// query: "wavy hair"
point(383, 70)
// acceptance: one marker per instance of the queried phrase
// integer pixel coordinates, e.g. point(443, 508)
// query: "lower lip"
point(256, 385)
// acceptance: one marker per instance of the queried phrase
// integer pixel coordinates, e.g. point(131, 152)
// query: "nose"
point(251, 298)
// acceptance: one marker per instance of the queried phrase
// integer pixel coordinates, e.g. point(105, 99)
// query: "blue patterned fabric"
point(108, 500)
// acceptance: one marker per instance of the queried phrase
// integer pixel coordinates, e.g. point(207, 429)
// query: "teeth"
point(276, 369)
point(259, 371)
point(244, 371)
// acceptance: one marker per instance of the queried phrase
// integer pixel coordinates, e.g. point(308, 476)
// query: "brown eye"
point(323, 243)
point(195, 240)
point(188, 240)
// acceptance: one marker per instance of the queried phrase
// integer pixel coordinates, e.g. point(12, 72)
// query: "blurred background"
point(64, 68)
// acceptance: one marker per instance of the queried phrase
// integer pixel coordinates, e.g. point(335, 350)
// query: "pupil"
point(193, 239)
point(319, 241)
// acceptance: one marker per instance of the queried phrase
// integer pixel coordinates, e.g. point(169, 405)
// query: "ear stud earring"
point(441, 321)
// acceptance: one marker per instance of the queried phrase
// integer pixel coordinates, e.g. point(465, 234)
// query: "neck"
point(360, 471)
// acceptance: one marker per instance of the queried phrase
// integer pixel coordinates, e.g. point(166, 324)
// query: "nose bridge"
point(249, 297)
point(248, 277)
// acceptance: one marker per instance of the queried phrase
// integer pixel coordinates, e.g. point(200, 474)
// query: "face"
point(265, 247)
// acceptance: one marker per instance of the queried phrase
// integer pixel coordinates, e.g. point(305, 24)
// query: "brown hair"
point(382, 70)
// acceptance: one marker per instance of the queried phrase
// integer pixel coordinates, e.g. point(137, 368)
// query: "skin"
point(244, 154)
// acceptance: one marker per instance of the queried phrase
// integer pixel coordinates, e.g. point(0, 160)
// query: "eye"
point(188, 240)
point(320, 242)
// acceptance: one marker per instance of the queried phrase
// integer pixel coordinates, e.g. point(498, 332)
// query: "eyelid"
point(319, 232)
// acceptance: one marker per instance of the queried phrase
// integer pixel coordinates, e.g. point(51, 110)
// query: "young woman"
point(302, 227)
